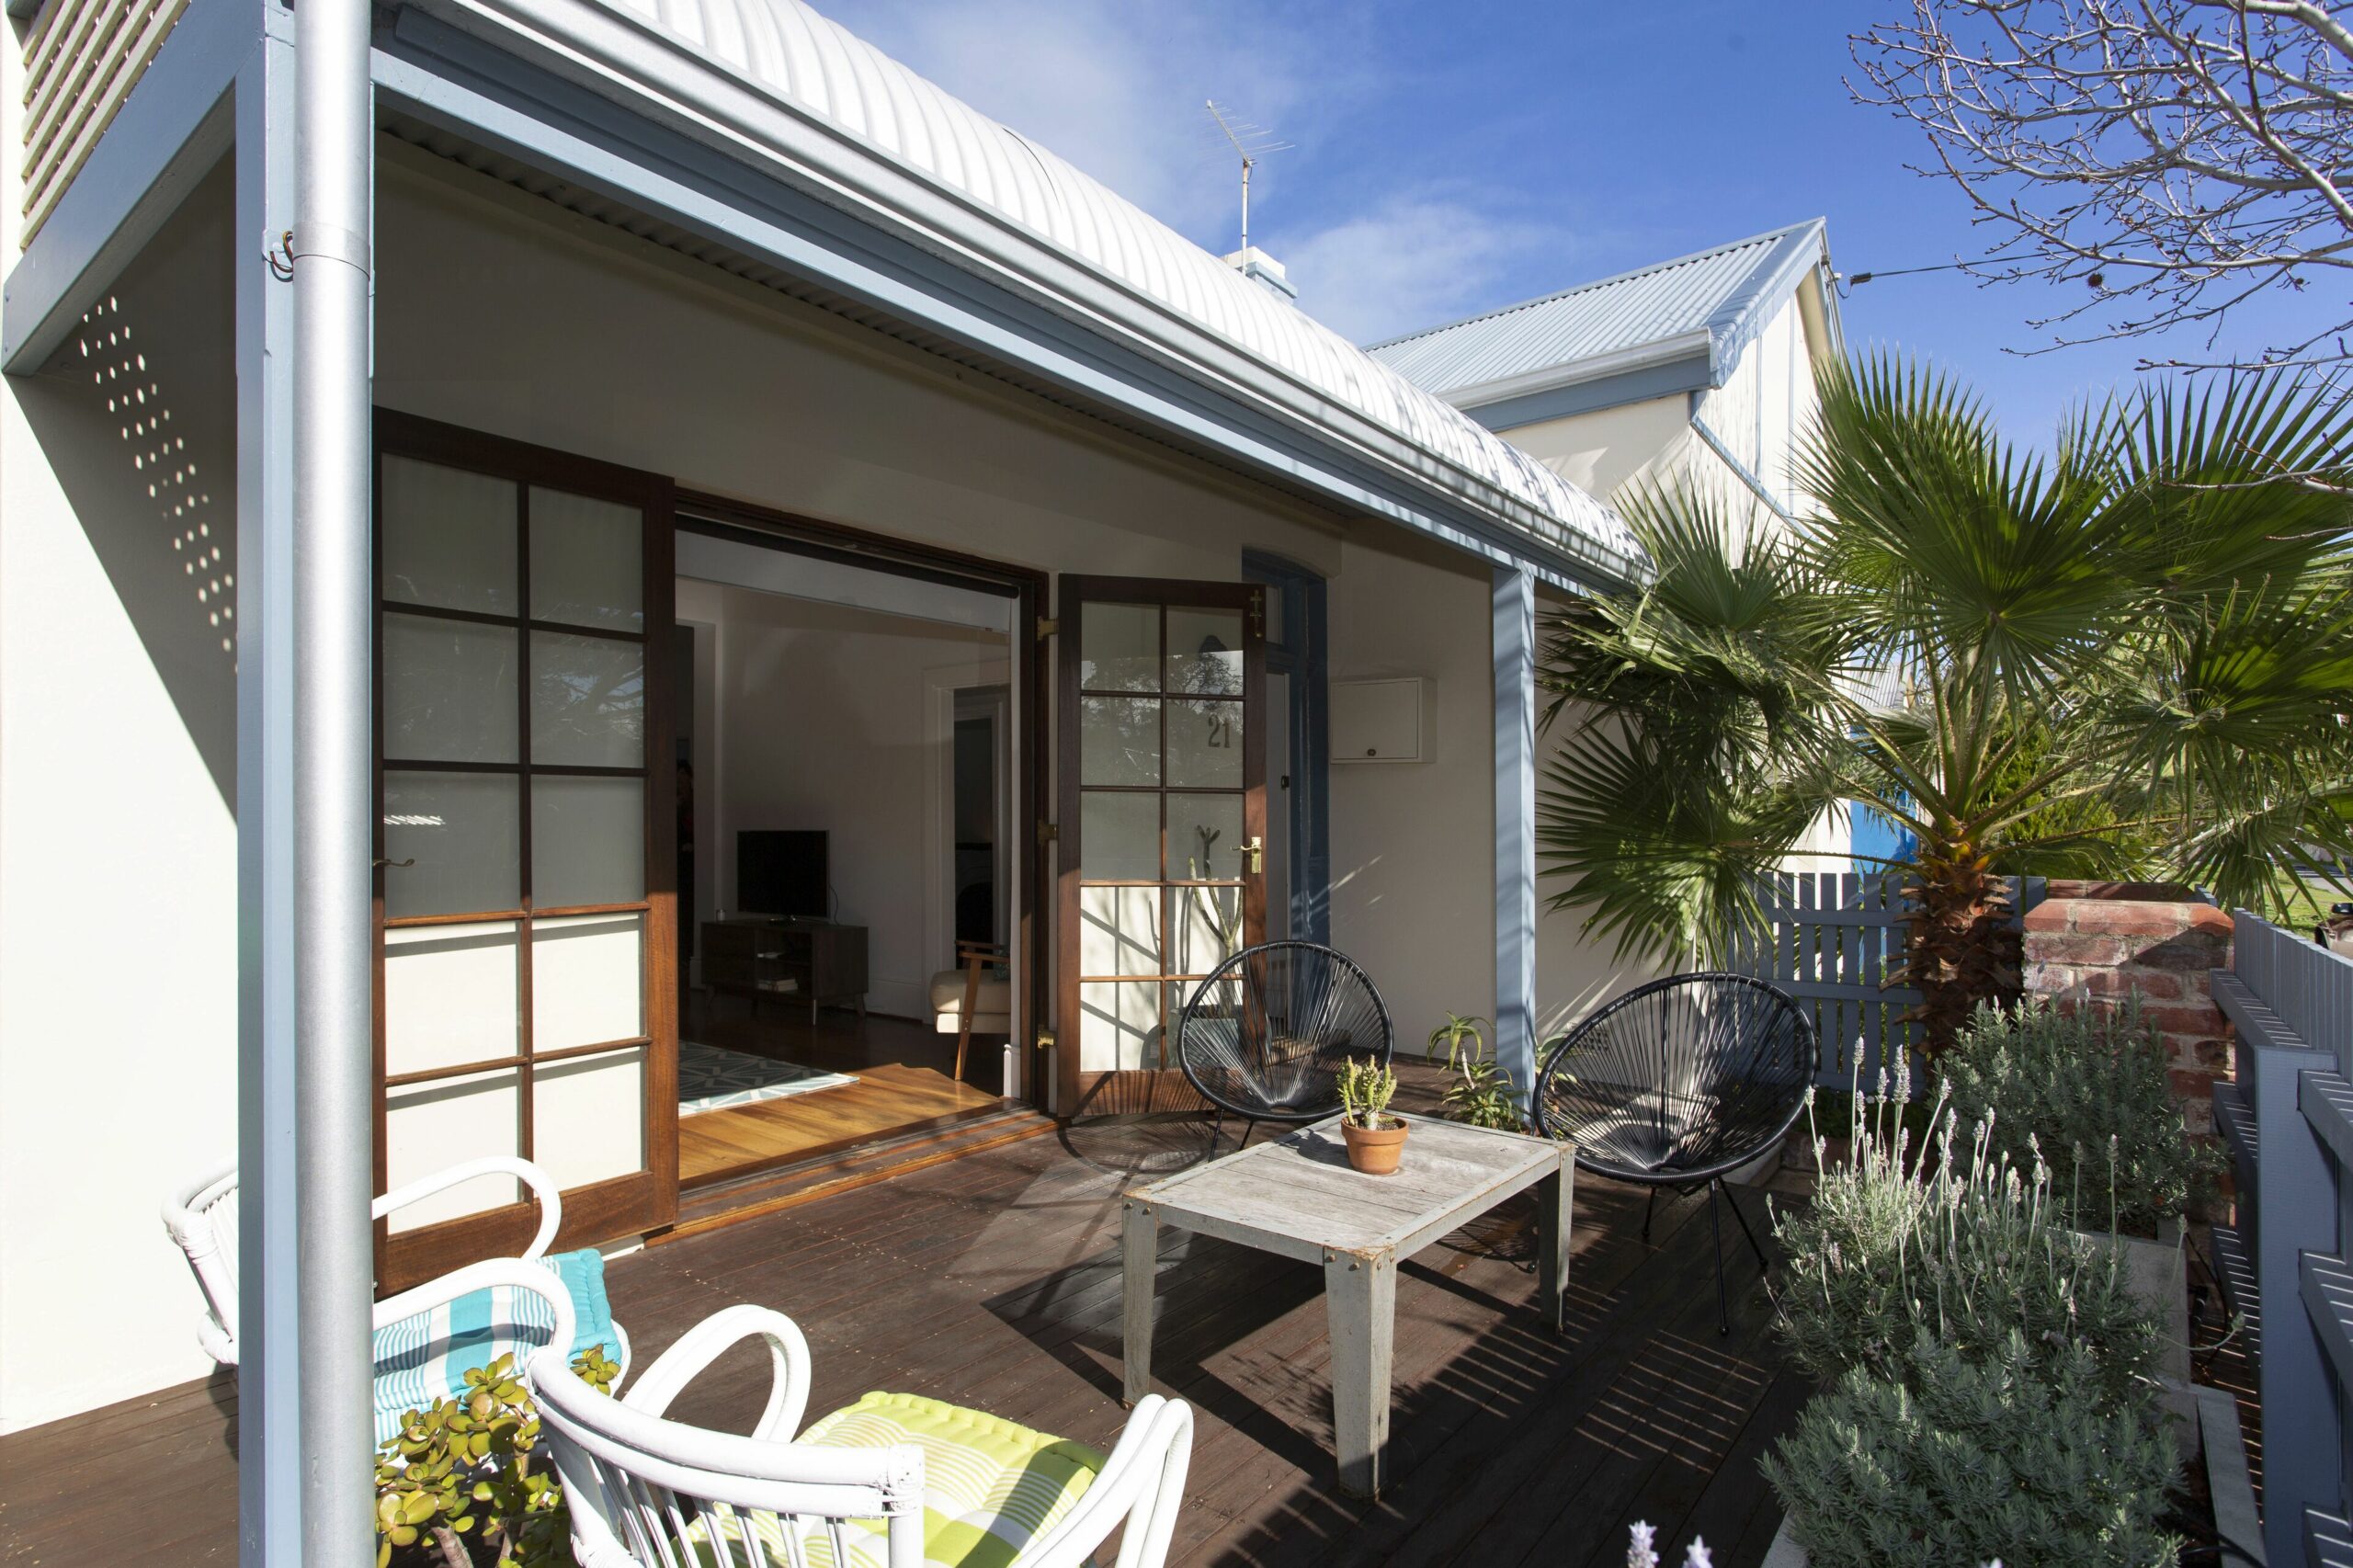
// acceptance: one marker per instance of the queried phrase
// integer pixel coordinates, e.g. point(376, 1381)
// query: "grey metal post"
point(1514, 605)
point(334, 199)
point(269, 1386)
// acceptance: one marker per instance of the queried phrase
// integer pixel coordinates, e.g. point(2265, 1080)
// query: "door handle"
point(1255, 853)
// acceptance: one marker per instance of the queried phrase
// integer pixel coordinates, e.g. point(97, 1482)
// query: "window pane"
point(1118, 740)
point(1119, 930)
point(1118, 837)
point(424, 1123)
point(587, 841)
point(588, 1117)
point(587, 979)
point(1119, 647)
point(1206, 928)
point(449, 996)
point(588, 701)
point(1205, 652)
point(1204, 837)
point(448, 538)
point(1205, 744)
point(465, 832)
point(1119, 1026)
point(587, 561)
point(449, 690)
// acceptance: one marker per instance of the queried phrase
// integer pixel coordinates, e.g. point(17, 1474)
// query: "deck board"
point(995, 1280)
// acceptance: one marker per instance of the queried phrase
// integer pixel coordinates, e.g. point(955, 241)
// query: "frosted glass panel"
point(1205, 652)
point(1205, 744)
point(1118, 931)
point(1207, 926)
point(464, 831)
point(478, 1114)
point(587, 841)
point(588, 1117)
point(449, 996)
point(588, 980)
point(587, 561)
point(449, 690)
point(1119, 1026)
point(1119, 647)
point(588, 701)
point(1204, 837)
point(1119, 836)
point(1118, 740)
point(448, 538)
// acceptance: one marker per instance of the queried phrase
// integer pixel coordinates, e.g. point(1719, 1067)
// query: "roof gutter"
point(620, 57)
point(1600, 367)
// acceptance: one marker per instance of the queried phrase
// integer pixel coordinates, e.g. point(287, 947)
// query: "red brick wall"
point(2100, 942)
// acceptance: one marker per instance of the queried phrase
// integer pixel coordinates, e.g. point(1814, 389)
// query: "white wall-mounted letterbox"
point(1389, 720)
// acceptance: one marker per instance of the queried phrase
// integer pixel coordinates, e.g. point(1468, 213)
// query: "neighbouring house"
point(811, 528)
point(1700, 370)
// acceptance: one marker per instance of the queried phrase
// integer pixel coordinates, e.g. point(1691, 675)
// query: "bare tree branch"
point(2174, 158)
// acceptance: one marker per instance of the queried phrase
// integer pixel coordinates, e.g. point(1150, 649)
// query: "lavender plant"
point(1958, 1457)
point(1962, 1242)
point(2088, 1091)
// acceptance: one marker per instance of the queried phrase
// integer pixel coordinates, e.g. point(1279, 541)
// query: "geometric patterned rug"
point(711, 1077)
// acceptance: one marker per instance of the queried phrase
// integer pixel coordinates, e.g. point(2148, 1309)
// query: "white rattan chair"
point(648, 1491)
point(202, 1218)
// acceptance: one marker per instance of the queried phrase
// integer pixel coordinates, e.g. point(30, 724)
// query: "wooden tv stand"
point(821, 961)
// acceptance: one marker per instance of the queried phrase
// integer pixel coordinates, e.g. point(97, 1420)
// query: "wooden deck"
point(993, 1280)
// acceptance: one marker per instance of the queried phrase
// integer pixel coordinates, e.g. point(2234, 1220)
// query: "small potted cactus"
point(1376, 1139)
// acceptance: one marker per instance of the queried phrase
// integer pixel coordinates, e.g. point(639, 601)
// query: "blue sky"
point(1454, 157)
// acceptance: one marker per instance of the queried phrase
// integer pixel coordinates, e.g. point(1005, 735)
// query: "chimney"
point(1262, 269)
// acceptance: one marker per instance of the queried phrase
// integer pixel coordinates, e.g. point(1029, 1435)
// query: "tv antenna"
point(1251, 142)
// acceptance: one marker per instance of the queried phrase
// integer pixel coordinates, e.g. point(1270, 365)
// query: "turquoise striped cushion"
point(426, 1358)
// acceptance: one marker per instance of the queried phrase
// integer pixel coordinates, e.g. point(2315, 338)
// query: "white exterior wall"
point(117, 879)
point(117, 839)
point(1605, 448)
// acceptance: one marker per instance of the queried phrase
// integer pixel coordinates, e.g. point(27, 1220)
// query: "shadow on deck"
point(994, 1281)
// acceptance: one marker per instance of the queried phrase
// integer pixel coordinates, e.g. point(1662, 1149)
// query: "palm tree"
point(2133, 656)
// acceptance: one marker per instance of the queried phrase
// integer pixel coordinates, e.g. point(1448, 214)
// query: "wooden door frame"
point(1168, 1090)
point(646, 1199)
point(1028, 588)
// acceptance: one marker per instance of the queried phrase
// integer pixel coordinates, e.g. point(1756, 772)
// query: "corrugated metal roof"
point(1010, 197)
point(1710, 302)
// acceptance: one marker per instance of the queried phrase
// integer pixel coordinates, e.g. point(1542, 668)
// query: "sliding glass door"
point(527, 956)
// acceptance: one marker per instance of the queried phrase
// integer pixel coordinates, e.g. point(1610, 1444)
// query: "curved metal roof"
point(1711, 302)
point(1189, 303)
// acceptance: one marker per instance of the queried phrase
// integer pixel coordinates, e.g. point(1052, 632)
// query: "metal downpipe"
point(333, 175)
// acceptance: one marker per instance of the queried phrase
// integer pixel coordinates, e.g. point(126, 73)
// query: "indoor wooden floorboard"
point(887, 1099)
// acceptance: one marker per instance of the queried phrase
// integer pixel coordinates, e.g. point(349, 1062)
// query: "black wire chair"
point(1264, 1037)
point(1679, 1083)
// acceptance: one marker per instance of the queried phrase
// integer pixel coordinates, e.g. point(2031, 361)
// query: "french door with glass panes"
point(1163, 822)
point(526, 955)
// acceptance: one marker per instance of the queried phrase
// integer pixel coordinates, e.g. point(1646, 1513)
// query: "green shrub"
point(1481, 1096)
point(471, 1469)
point(2089, 1091)
point(1967, 1245)
point(2014, 1456)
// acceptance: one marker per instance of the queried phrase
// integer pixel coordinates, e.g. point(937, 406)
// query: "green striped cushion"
point(989, 1486)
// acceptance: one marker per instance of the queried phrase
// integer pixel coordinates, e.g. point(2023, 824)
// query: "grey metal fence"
point(2288, 1119)
point(1831, 939)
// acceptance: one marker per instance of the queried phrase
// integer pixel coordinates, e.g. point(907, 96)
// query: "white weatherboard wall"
point(117, 839)
point(820, 721)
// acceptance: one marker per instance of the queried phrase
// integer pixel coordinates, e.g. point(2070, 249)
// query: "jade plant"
point(472, 1469)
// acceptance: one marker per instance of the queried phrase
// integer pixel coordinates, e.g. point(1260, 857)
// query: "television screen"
point(780, 872)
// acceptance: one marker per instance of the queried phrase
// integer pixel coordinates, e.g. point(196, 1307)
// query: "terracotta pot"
point(1375, 1152)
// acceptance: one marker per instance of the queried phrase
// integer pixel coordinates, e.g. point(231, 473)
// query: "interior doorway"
point(850, 766)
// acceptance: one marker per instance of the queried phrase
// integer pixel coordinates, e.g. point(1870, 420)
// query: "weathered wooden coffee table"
point(1297, 1198)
